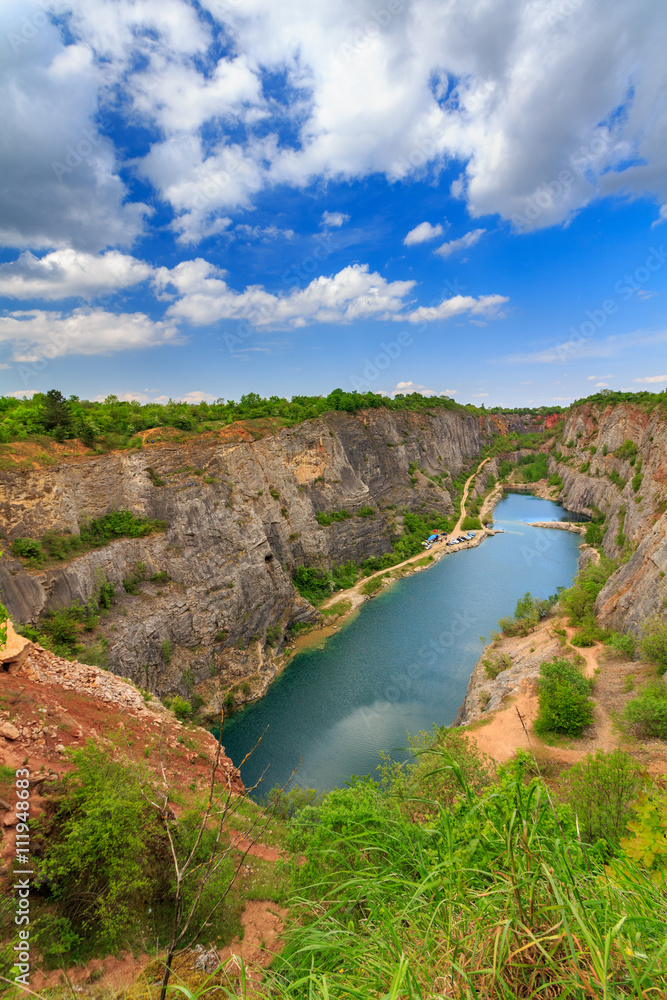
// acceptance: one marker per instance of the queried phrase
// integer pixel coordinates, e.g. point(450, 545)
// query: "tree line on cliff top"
point(116, 421)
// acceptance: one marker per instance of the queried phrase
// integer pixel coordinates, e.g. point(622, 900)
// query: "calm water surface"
point(403, 663)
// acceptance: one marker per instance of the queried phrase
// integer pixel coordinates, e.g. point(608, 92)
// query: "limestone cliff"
point(633, 501)
point(241, 517)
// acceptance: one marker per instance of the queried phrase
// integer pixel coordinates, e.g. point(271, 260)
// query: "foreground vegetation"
point(450, 877)
point(455, 880)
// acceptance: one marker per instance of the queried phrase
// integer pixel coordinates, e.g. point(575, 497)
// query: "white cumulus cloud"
point(405, 388)
point(423, 233)
point(34, 335)
point(353, 293)
point(485, 305)
point(65, 273)
point(650, 379)
point(462, 243)
point(335, 219)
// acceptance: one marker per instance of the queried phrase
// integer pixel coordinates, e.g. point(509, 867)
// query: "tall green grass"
point(490, 897)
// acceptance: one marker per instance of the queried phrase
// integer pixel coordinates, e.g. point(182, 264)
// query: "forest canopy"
point(62, 418)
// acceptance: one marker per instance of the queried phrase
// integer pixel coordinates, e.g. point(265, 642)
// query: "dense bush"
point(601, 790)
point(622, 643)
point(101, 849)
point(627, 450)
point(105, 857)
point(181, 708)
point(534, 467)
point(578, 601)
point(563, 699)
point(325, 519)
point(595, 534)
point(93, 535)
point(528, 612)
point(29, 549)
point(317, 584)
point(646, 843)
point(646, 715)
point(654, 641)
point(366, 512)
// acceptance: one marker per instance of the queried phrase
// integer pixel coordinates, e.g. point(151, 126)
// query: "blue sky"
point(202, 199)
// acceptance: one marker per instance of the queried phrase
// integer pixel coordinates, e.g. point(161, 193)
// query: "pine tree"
point(56, 412)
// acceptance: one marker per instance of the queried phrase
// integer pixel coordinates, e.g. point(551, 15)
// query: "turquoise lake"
point(403, 663)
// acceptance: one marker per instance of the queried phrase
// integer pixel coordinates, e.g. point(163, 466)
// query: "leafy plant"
point(601, 790)
point(654, 641)
point(528, 612)
point(28, 549)
point(622, 643)
point(181, 708)
point(647, 843)
point(627, 450)
point(97, 844)
point(325, 519)
point(366, 512)
point(646, 715)
point(564, 706)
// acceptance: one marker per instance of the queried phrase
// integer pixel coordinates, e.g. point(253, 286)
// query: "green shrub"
point(622, 643)
point(325, 519)
point(366, 512)
point(563, 699)
point(654, 641)
point(181, 708)
point(646, 715)
point(528, 612)
point(166, 651)
point(578, 601)
point(589, 632)
point(107, 592)
point(601, 790)
point(471, 524)
point(95, 848)
point(29, 549)
point(627, 450)
point(273, 634)
point(595, 534)
point(61, 631)
point(647, 845)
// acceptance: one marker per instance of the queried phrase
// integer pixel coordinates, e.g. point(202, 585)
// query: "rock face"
point(634, 504)
point(241, 517)
point(15, 650)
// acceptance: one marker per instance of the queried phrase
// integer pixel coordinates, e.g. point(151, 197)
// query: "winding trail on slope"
point(504, 734)
point(354, 593)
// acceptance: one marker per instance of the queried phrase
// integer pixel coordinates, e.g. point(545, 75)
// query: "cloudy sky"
point(201, 198)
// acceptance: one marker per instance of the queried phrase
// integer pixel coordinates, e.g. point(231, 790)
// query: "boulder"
point(15, 651)
point(9, 731)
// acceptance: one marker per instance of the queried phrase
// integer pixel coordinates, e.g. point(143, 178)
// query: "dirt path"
point(354, 594)
point(464, 499)
point(504, 734)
